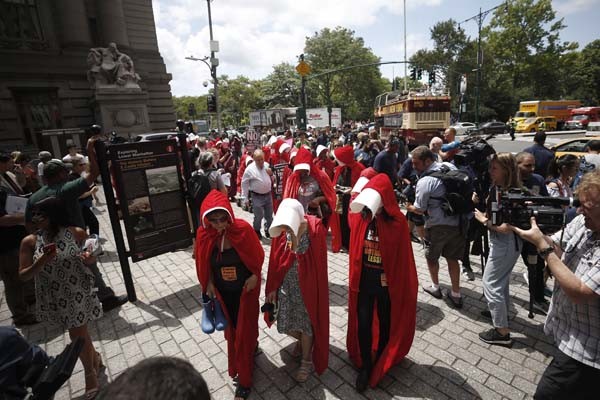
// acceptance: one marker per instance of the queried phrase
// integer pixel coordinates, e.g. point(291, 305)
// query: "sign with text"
point(150, 189)
point(278, 170)
point(252, 140)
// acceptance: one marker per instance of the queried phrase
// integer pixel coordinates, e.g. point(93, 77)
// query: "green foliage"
point(281, 88)
point(354, 90)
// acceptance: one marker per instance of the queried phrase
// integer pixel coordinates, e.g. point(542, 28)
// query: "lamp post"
point(212, 65)
point(479, 19)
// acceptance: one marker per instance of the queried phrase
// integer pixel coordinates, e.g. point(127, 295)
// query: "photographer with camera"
point(573, 258)
point(535, 264)
point(443, 232)
point(505, 248)
point(408, 178)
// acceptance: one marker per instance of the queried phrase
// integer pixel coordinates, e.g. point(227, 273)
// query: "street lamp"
point(212, 63)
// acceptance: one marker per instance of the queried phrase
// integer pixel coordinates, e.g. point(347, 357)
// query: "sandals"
point(91, 394)
point(304, 371)
point(242, 392)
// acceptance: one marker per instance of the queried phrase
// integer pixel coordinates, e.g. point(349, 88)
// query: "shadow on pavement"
point(428, 315)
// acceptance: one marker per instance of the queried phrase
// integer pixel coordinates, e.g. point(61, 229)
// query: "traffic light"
point(211, 103)
point(431, 77)
point(301, 118)
point(419, 74)
point(413, 73)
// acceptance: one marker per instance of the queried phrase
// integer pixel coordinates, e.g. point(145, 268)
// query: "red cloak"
point(400, 271)
point(241, 341)
point(292, 184)
point(336, 234)
point(327, 165)
point(312, 274)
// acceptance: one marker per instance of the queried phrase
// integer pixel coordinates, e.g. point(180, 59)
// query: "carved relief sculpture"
point(108, 67)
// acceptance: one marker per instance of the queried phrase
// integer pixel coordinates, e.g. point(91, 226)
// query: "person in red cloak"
point(229, 260)
point(382, 301)
point(345, 176)
point(230, 165)
point(245, 160)
point(310, 186)
point(280, 155)
point(297, 282)
point(323, 162)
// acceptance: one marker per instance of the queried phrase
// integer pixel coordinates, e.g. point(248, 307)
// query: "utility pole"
point(405, 73)
point(479, 19)
point(214, 62)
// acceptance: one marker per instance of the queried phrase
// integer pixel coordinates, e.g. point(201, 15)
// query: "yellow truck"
point(559, 109)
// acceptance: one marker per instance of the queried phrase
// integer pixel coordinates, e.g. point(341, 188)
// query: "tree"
point(237, 97)
point(353, 90)
point(281, 88)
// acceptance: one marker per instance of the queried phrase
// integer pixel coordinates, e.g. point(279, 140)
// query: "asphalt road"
point(502, 143)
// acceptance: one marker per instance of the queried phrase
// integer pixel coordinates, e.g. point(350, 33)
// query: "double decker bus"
point(417, 116)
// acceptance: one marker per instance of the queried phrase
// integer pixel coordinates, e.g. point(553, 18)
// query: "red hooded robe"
point(346, 155)
point(241, 341)
point(279, 158)
point(401, 274)
point(292, 182)
point(312, 274)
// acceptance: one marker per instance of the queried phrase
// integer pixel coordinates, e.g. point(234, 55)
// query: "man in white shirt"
point(258, 182)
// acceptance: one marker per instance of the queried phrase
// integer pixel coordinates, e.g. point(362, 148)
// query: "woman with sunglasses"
point(64, 285)
point(229, 258)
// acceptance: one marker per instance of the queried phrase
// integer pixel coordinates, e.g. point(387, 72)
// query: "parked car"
point(575, 146)
point(493, 128)
point(593, 129)
point(462, 128)
point(148, 137)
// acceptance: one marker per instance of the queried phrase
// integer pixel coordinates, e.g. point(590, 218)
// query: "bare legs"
point(453, 270)
point(88, 358)
point(306, 343)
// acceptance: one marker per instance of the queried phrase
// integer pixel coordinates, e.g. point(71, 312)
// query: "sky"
point(255, 35)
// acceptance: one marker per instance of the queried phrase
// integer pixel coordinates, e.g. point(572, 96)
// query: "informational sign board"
point(150, 190)
point(319, 117)
point(278, 170)
point(252, 140)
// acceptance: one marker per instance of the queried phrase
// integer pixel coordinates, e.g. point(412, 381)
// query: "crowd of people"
point(300, 186)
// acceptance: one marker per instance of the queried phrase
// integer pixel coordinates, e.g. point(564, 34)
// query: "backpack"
point(459, 190)
point(199, 186)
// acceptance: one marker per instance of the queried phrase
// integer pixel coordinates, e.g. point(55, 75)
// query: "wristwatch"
point(546, 252)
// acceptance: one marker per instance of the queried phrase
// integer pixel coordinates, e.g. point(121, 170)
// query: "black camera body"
point(517, 207)
point(474, 152)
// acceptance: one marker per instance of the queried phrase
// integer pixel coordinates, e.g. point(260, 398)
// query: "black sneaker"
point(267, 235)
point(362, 380)
point(468, 273)
point(259, 235)
point(437, 293)
point(492, 336)
point(112, 302)
point(456, 302)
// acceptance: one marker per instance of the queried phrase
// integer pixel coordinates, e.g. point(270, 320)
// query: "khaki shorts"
point(445, 241)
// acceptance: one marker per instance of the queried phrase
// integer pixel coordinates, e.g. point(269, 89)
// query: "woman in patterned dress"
point(297, 281)
point(64, 285)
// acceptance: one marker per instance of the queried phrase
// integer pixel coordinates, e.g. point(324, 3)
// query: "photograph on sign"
point(149, 182)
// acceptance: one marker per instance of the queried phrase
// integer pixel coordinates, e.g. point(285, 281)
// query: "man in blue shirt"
point(387, 160)
point(542, 154)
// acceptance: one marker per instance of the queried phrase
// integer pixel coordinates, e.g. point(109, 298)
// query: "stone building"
point(44, 46)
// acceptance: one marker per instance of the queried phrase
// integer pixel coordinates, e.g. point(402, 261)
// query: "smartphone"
point(49, 248)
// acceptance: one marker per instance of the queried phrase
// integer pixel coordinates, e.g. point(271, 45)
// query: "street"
point(447, 359)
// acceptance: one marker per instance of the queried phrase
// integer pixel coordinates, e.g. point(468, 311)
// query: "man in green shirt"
point(56, 174)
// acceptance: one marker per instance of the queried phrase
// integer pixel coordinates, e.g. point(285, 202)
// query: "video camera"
point(516, 208)
point(474, 152)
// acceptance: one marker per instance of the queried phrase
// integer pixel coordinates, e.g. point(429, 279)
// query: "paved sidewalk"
point(447, 359)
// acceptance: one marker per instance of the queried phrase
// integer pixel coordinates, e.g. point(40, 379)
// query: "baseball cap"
point(55, 166)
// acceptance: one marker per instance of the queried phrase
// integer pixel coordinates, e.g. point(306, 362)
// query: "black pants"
point(366, 301)
point(232, 303)
point(90, 220)
point(344, 226)
point(566, 378)
point(535, 270)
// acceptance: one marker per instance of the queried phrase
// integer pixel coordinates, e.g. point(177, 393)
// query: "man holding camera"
point(443, 232)
point(573, 257)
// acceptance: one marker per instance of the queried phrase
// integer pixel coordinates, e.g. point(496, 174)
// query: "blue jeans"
point(505, 249)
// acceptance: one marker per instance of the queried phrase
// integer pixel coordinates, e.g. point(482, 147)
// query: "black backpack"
point(459, 190)
point(199, 186)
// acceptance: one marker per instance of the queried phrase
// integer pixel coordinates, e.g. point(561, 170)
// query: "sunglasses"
point(218, 220)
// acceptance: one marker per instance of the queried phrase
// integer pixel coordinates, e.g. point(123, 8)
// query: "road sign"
point(303, 68)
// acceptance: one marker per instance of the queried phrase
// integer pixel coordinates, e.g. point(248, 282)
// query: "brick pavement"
point(447, 359)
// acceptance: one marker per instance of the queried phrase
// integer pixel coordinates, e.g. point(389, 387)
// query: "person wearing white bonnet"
point(382, 280)
point(323, 161)
point(297, 282)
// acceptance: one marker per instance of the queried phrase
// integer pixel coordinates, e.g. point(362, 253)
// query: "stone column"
point(73, 24)
point(111, 22)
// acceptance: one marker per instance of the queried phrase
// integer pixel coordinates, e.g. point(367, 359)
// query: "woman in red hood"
point(280, 157)
point(297, 281)
point(229, 260)
point(382, 302)
point(310, 186)
point(345, 176)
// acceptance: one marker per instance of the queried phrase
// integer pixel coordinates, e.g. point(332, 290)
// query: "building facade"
point(43, 64)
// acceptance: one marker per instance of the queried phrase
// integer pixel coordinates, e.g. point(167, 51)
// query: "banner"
point(278, 170)
point(150, 189)
point(252, 140)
